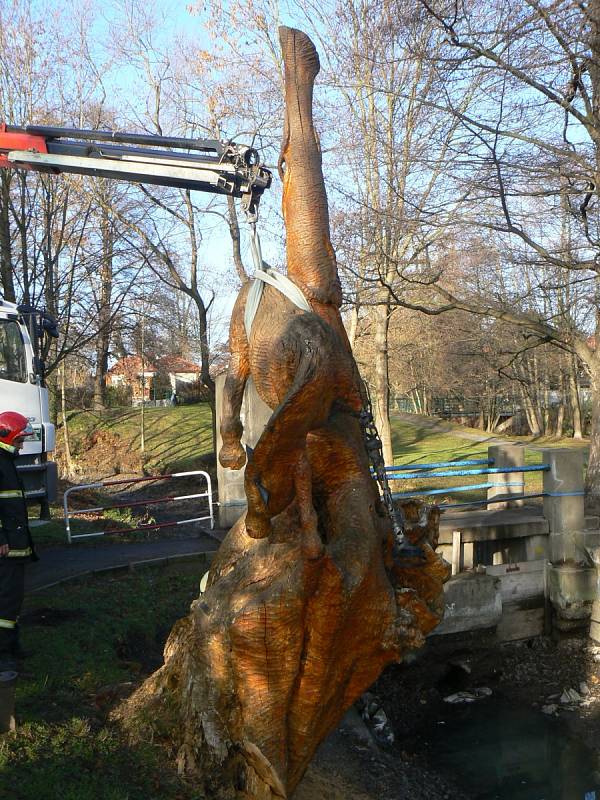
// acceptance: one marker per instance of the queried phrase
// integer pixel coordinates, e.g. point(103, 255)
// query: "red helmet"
point(12, 426)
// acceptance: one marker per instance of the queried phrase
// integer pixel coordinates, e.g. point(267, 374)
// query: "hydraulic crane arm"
point(207, 165)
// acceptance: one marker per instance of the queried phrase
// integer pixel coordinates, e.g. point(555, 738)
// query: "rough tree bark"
point(104, 307)
point(306, 601)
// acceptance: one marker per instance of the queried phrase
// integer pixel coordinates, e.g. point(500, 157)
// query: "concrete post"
point(564, 482)
point(506, 455)
point(254, 416)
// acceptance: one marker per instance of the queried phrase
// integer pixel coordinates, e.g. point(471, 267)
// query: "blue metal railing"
point(471, 462)
point(446, 489)
point(451, 469)
point(461, 473)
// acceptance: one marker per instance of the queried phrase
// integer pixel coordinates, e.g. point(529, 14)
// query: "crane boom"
point(206, 165)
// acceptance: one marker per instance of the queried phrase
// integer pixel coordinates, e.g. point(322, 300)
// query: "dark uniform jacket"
point(14, 526)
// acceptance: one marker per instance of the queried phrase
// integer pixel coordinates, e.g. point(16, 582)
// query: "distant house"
point(158, 377)
point(181, 372)
point(134, 373)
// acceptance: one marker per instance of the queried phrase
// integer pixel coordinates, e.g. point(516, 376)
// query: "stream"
point(496, 751)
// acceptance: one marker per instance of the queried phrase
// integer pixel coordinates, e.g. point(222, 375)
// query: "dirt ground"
point(348, 766)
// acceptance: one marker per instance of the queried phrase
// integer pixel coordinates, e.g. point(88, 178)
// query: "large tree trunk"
point(381, 388)
point(104, 309)
point(297, 620)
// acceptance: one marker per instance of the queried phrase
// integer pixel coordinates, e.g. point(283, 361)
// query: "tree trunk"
point(104, 310)
point(574, 402)
point(234, 232)
point(353, 327)
point(205, 375)
point(547, 417)
point(381, 388)
point(560, 420)
point(592, 483)
point(69, 469)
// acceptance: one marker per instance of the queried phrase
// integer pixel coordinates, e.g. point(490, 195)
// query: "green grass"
point(180, 439)
point(176, 438)
point(92, 643)
point(53, 532)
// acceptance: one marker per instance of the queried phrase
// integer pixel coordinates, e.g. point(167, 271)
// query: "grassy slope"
point(88, 652)
point(174, 437)
point(176, 440)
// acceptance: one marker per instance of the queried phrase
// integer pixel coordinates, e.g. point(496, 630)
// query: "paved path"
point(441, 426)
point(60, 563)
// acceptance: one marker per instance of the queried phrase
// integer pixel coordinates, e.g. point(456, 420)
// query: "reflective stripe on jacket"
point(14, 524)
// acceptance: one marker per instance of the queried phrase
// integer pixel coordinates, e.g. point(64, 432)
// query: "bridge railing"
point(456, 471)
point(562, 473)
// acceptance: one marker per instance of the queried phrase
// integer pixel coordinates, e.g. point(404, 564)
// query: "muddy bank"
point(523, 724)
point(350, 765)
point(520, 720)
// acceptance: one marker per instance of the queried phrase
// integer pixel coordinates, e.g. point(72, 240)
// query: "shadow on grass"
point(93, 641)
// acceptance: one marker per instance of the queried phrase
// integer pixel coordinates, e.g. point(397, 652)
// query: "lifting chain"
point(402, 547)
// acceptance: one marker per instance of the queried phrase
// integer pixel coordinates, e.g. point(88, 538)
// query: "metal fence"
point(70, 513)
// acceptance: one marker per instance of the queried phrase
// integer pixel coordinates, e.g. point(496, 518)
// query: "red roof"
point(131, 365)
point(177, 364)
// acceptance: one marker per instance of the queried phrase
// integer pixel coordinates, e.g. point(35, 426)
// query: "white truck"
point(22, 389)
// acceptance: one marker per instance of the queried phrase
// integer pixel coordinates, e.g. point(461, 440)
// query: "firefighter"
point(16, 546)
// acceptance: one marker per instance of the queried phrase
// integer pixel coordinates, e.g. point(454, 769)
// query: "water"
point(496, 752)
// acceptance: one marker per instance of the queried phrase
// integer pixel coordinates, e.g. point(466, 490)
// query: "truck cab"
point(22, 389)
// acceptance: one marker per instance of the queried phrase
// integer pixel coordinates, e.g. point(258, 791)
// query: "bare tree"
point(529, 147)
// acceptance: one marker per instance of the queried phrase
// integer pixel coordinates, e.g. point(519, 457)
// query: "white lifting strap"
point(263, 273)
